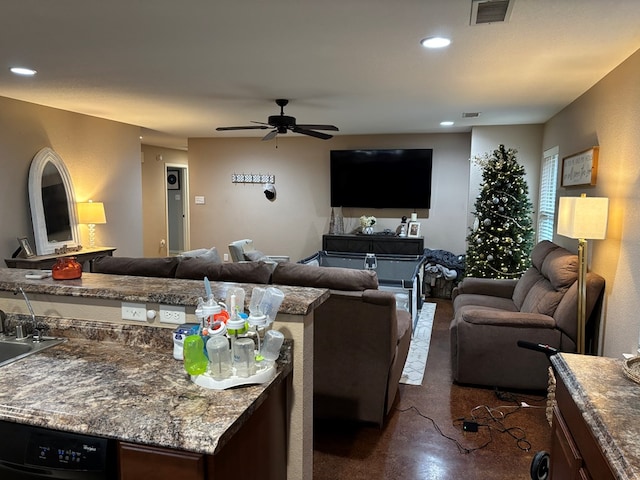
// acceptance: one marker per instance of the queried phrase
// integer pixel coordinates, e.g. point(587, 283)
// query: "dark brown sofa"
point(360, 341)
point(491, 316)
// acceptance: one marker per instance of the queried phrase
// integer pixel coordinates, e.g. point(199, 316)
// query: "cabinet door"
point(566, 461)
point(140, 461)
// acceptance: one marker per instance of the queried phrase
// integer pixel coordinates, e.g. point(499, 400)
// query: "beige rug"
point(416, 363)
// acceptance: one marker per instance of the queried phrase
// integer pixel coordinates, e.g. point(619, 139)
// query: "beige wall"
point(103, 159)
point(608, 115)
point(154, 200)
point(294, 223)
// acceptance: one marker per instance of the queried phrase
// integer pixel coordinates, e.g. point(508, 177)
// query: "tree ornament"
point(487, 222)
point(490, 258)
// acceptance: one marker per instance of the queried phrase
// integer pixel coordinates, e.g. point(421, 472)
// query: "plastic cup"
point(244, 357)
point(219, 357)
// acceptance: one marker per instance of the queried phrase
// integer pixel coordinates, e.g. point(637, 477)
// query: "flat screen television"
point(393, 178)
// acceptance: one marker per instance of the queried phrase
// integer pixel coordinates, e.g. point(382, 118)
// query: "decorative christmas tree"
point(500, 242)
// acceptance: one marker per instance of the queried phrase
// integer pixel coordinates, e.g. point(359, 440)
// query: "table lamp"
point(91, 213)
point(582, 218)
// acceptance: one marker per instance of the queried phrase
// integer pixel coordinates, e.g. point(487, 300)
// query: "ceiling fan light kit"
point(282, 123)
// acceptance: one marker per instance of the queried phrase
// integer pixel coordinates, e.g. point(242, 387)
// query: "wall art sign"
point(580, 168)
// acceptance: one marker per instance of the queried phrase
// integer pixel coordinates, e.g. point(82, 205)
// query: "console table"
point(380, 244)
point(45, 262)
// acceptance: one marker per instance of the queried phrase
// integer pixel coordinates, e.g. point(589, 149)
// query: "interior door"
point(177, 203)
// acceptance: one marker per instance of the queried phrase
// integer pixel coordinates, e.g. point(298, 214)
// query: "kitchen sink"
point(12, 349)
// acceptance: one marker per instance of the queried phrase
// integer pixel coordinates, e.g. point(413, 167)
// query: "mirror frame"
point(38, 164)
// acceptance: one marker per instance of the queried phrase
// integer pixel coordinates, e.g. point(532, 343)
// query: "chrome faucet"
point(35, 327)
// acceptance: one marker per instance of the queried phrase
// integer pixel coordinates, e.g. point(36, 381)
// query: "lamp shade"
point(583, 217)
point(91, 213)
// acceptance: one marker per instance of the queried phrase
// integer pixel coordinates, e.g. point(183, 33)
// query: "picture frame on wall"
point(413, 230)
point(26, 247)
point(580, 168)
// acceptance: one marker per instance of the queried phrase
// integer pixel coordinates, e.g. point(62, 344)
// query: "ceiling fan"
point(281, 123)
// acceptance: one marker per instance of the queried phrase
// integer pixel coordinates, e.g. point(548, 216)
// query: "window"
point(547, 201)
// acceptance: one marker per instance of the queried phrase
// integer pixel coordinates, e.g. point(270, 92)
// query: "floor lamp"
point(583, 218)
point(90, 213)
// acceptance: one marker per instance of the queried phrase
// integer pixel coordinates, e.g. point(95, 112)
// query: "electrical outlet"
point(225, 256)
point(173, 314)
point(134, 311)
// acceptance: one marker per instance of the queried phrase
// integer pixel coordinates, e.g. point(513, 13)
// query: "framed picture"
point(26, 247)
point(173, 180)
point(414, 229)
point(580, 168)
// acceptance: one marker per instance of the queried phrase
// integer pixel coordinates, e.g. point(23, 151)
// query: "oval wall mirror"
point(53, 203)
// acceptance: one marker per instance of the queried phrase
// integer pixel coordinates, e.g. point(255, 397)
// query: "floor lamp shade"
point(583, 217)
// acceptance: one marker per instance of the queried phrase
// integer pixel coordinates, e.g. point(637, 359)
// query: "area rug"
point(419, 349)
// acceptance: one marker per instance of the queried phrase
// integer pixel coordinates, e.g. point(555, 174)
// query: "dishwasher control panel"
point(65, 451)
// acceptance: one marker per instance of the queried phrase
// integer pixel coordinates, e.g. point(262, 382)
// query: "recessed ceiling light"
point(435, 42)
point(23, 71)
point(446, 123)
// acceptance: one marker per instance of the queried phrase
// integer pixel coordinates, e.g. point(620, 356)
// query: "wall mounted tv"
point(394, 178)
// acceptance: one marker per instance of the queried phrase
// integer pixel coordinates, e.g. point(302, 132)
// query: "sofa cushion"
point(242, 272)
point(524, 285)
point(540, 252)
point(542, 298)
point(144, 267)
point(256, 256)
point(561, 268)
point(335, 278)
point(210, 254)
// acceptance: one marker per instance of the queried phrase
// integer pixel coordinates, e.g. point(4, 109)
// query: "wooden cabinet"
point(575, 452)
point(257, 450)
point(379, 244)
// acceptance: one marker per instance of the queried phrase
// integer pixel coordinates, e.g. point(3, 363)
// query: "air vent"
point(470, 114)
point(490, 11)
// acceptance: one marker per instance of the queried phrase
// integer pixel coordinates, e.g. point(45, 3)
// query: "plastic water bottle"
point(195, 361)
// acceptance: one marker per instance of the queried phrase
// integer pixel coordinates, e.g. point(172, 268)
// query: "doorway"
point(177, 203)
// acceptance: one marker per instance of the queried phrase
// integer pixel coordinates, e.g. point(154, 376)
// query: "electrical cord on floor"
point(518, 398)
point(461, 448)
point(490, 418)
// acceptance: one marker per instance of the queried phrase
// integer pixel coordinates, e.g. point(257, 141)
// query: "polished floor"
point(423, 438)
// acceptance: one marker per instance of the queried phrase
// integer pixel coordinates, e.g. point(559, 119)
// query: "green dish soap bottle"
point(195, 361)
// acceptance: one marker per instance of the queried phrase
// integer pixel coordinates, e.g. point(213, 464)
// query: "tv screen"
point(394, 178)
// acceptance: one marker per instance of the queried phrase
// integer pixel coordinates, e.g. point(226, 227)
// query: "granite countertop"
point(610, 405)
point(126, 391)
point(171, 291)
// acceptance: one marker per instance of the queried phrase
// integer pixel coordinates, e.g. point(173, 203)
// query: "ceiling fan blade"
point(246, 127)
point(270, 135)
point(261, 123)
point(318, 127)
point(311, 133)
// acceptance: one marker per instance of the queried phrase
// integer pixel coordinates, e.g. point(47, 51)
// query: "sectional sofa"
point(361, 341)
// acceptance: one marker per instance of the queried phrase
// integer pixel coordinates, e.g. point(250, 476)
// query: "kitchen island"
point(99, 297)
point(596, 422)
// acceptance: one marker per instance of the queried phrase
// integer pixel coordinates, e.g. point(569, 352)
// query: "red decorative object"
point(66, 268)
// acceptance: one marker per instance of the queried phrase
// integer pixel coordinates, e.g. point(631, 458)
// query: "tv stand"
point(380, 244)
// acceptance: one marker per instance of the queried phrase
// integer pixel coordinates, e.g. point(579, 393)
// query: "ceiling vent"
point(490, 11)
point(470, 114)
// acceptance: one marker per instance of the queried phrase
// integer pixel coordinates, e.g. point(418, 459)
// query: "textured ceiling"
point(181, 69)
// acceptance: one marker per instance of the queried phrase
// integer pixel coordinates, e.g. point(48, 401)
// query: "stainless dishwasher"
point(28, 452)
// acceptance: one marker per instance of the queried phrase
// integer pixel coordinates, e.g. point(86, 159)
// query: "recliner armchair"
point(491, 315)
point(244, 251)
